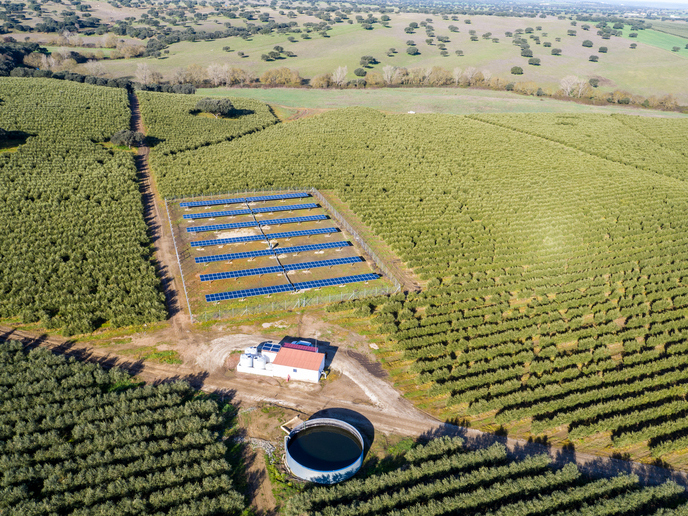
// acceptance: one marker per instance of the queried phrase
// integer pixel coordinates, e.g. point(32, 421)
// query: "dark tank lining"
point(324, 448)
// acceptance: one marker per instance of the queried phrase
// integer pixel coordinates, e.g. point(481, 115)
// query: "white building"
point(292, 362)
point(296, 364)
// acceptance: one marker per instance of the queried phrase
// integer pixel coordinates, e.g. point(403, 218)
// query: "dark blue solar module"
point(256, 238)
point(240, 294)
point(216, 202)
point(218, 227)
point(322, 263)
point(269, 252)
point(236, 225)
point(335, 281)
point(241, 273)
point(288, 207)
point(292, 220)
point(270, 347)
point(211, 214)
point(278, 269)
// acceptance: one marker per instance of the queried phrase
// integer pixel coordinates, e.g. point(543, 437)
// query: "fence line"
point(343, 222)
point(179, 263)
point(301, 302)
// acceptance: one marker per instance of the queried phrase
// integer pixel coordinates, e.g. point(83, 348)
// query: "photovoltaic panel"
point(241, 273)
point(288, 207)
point(256, 238)
point(298, 195)
point(278, 269)
point(292, 220)
point(270, 347)
point(216, 202)
point(211, 214)
point(270, 222)
point(218, 227)
point(240, 294)
point(269, 252)
point(322, 263)
point(335, 281)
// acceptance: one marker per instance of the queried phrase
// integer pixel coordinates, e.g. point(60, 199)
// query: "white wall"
point(303, 375)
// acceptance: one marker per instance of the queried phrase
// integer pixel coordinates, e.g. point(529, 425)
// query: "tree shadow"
point(12, 139)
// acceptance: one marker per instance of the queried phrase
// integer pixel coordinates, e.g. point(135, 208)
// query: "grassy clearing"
point(663, 40)
point(455, 101)
point(152, 354)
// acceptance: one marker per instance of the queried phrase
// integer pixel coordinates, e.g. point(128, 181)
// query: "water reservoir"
point(324, 450)
point(260, 362)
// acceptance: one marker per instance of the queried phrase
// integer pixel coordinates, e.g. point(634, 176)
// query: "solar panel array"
point(240, 294)
point(212, 214)
point(237, 225)
point(277, 268)
point(216, 202)
point(270, 347)
point(250, 292)
point(288, 207)
point(270, 252)
point(256, 238)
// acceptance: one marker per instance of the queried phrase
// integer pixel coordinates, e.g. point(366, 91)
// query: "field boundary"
point(300, 302)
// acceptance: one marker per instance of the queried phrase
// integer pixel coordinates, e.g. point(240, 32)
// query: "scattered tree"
point(516, 70)
point(534, 61)
point(360, 72)
point(216, 107)
point(412, 51)
point(594, 82)
point(587, 43)
point(594, 59)
point(339, 76)
point(556, 51)
point(602, 50)
point(128, 138)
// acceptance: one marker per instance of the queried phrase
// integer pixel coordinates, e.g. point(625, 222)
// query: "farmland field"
point(553, 247)
point(444, 478)
point(74, 252)
point(76, 439)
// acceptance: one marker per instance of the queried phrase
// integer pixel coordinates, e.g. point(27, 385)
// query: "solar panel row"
point(215, 202)
point(241, 273)
point(270, 252)
point(270, 236)
point(240, 294)
point(277, 269)
point(270, 222)
point(288, 207)
point(212, 214)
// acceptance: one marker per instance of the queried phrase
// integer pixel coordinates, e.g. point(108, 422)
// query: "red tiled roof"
point(299, 359)
point(302, 347)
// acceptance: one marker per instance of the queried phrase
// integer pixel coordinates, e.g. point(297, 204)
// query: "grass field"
point(663, 40)
point(677, 28)
point(647, 70)
point(456, 101)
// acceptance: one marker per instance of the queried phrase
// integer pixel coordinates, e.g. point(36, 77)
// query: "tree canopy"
point(217, 107)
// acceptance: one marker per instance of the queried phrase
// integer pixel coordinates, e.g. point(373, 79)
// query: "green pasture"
point(661, 40)
point(647, 70)
point(677, 28)
point(457, 101)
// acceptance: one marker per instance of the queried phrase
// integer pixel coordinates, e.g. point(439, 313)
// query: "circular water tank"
point(259, 362)
point(246, 361)
point(324, 450)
